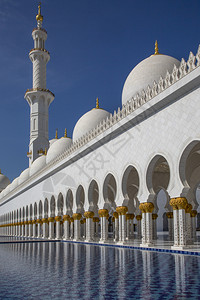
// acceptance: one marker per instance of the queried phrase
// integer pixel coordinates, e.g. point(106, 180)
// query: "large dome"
point(145, 73)
point(57, 148)
point(4, 182)
point(89, 121)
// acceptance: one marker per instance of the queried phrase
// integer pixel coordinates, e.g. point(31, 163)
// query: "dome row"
point(142, 76)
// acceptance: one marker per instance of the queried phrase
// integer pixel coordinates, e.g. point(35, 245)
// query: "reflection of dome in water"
point(146, 72)
point(89, 121)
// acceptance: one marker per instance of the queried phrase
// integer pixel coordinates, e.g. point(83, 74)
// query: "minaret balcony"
point(39, 49)
point(37, 93)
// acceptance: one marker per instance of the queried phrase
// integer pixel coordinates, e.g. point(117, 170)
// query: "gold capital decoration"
point(115, 215)
point(77, 216)
point(113, 219)
point(169, 215)
point(45, 220)
point(33, 222)
point(89, 214)
point(130, 216)
point(178, 203)
point(122, 210)
point(71, 220)
point(66, 218)
point(51, 219)
point(193, 213)
point(81, 221)
point(154, 216)
point(103, 213)
point(139, 217)
point(58, 218)
point(95, 219)
point(39, 17)
point(188, 208)
point(146, 207)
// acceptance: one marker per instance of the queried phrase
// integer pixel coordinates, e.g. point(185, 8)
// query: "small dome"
point(57, 148)
point(51, 142)
point(145, 73)
point(24, 176)
point(38, 164)
point(14, 184)
point(4, 182)
point(89, 121)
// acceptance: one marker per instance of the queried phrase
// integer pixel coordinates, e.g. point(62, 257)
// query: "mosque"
point(120, 173)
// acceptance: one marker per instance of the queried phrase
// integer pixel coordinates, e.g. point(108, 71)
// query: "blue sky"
point(94, 44)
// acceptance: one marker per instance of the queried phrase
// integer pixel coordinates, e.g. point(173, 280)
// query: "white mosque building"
point(120, 173)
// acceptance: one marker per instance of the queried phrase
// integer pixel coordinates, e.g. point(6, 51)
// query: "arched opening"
point(80, 200)
point(52, 206)
point(69, 203)
point(93, 197)
point(130, 187)
point(109, 193)
point(40, 209)
point(46, 208)
point(60, 205)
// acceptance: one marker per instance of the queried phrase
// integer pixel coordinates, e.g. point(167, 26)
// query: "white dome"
point(38, 164)
point(145, 73)
point(51, 142)
point(24, 176)
point(57, 148)
point(89, 121)
point(14, 184)
point(4, 182)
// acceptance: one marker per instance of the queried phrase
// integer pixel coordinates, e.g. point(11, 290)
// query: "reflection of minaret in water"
point(39, 98)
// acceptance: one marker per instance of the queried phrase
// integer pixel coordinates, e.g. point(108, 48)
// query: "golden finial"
point(45, 151)
point(56, 136)
point(97, 103)
point(39, 17)
point(0, 171)
point(156, 48)
point(65, 135)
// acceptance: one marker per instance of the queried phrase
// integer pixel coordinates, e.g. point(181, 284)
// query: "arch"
point(27, 212)
point(52, 206)
point(31, 211)
point(40, 209)
point(60, 204)
point(46, 208)
point(80, 199)
point(158, 174)
point(189, 166)
point(35, 210)
point(109, 192)
point(69, 202)
point(93, 196)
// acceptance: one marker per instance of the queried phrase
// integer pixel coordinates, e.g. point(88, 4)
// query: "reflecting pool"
point(61, 270)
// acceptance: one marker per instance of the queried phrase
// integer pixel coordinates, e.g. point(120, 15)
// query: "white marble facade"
point(107, 178)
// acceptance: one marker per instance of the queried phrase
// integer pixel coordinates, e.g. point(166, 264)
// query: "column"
point(147, 228)
point(71, 228)
point(193, 215)
point(66, 219)
point(96, 227)
point(139, 230)
point(77, 218)
point(39, 222)
point(34, 228)
point(23, 228)
point(188, 219)
point(26, 228)
point(154, 226)
point(30, 228)
point(122, 210)
point(129, 224)
point(84, 227)
point(170, 225)
point(103, 213)
point(58, 219)
point(89, 224)
point(45, 228)
point(51, 228)
point(179, 205)
point(116, 216)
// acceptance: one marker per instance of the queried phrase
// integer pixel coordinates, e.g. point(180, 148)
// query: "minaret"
point(39, 98)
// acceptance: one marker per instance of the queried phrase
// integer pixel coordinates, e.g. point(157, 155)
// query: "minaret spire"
point(39, 97)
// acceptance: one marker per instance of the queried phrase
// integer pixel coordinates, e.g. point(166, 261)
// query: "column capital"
point(146, 207)
point(178, 203)
point(72, 219)
point(169, 215)
point(103, 213)
point(51, 219)
point(77, 216)
point(193, 213)
point(66, 218)
point(95, 219)
point(139, 217)
point(89, 214)
point(39, 221)
point(122, 210)
point(130, 216)
point(115, 215)
point(45, 220)
point(154, 216)
point(58, 218)
point(188, 208)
